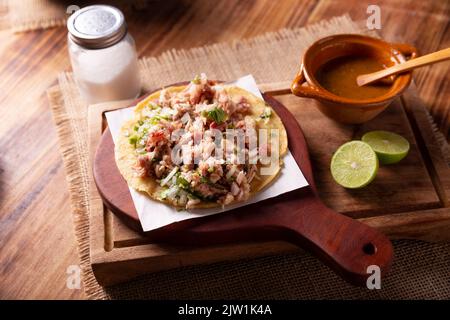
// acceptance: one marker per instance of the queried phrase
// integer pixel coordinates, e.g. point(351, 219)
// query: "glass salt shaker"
point(103, 54)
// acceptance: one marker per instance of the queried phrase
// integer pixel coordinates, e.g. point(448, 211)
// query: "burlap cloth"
point(27, 15)
point(420, 270)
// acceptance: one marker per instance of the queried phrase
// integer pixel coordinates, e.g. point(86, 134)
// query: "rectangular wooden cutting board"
point(407, 200)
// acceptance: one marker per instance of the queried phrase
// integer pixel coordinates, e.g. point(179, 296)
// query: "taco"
point(170, 149)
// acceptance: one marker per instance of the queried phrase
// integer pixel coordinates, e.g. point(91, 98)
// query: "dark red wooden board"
point(344, 244)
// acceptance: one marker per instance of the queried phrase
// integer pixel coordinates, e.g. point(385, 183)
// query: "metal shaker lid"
point(96, 27)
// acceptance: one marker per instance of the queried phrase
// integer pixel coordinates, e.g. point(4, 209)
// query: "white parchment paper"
point(154, 214)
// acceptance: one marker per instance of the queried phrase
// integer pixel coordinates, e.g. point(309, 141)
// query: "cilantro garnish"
point(217, 114)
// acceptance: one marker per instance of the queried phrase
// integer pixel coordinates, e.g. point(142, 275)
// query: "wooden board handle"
point(347, 246)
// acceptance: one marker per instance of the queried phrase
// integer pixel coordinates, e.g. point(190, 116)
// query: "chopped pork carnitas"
point(192, 117)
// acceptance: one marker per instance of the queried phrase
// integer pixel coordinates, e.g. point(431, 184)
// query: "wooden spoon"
point(431, 58)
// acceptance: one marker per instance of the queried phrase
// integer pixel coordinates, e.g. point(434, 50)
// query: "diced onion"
point(185, 118)
point(169, 176)
point(172, 192)
point(231, 172)
point(167, 111)
point(183, 198)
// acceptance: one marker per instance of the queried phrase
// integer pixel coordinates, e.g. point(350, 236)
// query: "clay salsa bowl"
point(342, 109)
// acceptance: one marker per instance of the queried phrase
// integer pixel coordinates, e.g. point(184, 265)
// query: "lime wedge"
point(354, 165)
point(389, 147)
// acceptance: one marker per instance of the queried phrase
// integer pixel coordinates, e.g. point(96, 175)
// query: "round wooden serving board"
point(344, 244)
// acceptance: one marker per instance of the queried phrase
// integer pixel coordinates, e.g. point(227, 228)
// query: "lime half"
point(389, 147)
point(354, 165)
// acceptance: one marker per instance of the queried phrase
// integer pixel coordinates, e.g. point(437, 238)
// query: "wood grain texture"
point(36, 231)
point(396, 188)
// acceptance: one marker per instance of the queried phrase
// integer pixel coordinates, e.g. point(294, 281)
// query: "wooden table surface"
point(37, 242)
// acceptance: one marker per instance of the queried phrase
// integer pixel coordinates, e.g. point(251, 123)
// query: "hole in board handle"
point(369, 249)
